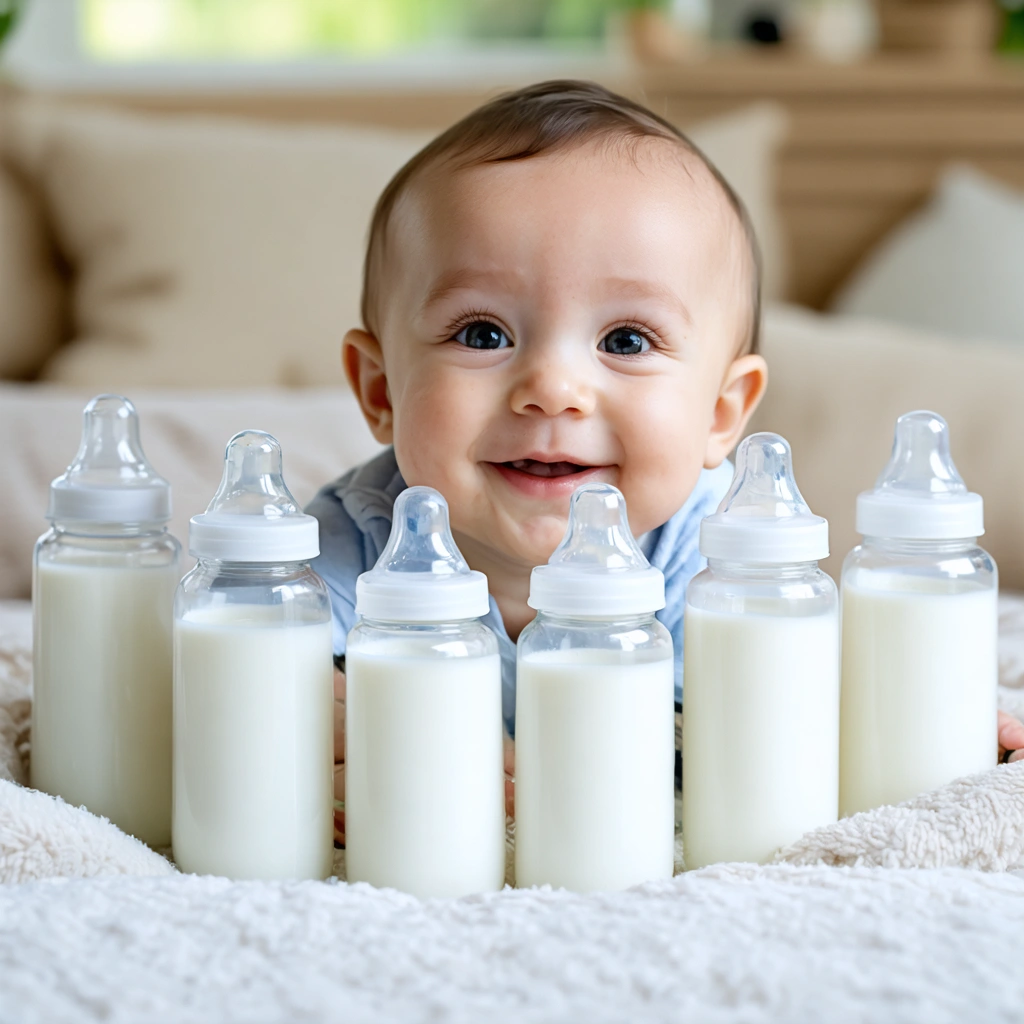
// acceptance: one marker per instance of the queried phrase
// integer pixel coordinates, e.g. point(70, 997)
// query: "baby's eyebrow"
point(638, 288)
point(463, 278)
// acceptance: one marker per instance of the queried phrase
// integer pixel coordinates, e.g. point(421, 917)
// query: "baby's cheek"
point(664, 454)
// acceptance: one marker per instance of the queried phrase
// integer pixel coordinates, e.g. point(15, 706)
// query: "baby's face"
point(550, 322)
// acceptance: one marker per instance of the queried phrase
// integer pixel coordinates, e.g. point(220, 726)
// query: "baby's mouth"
point(546, 470)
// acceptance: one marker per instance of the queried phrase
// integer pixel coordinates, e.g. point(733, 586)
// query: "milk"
point(760, 732)
point(253, 744)
point(595, 752)
point(424, 800)
point(919, 687)
point(101, 714)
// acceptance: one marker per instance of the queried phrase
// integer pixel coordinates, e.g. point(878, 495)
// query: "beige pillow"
point(213, 253)
point(33, 295)
point(322, 432)
point(744, 146)
point(206, 253)
point(836, 386)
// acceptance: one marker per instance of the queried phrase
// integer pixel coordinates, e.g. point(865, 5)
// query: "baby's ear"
point(741, 390)
point(364, 366)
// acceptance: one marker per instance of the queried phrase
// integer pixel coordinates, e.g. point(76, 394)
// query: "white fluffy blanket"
point(839, 930)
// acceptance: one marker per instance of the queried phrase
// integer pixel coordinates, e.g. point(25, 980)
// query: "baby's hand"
point(510, 777)
point(1011, 738)
point(339, 754)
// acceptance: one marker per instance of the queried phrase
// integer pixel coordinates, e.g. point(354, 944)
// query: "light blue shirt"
point(355, 523)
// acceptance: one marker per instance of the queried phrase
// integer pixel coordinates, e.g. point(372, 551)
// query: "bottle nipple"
point(763, 517)
point(253, 481)
point(421, 576)
point(920, 495)
point(253, 516)
point(598, 535)
point(921, 462)
point(110, 480)
point(598, 569)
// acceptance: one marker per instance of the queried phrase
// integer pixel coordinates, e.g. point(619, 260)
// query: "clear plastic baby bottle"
point(253, 682)
point(761, 669)
point(595, 713)
point(103, 586)
point(919, 616)
point(424, 783)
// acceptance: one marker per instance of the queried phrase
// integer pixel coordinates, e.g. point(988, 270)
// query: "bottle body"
point(760, 710)
point(253, 722)
point(595, 753)
point(919, 668)
point(101, 712)
point(424, 780)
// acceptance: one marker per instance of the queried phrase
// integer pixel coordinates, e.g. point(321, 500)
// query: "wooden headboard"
point(866, 140)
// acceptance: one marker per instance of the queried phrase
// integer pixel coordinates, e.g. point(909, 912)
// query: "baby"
point(558, 289)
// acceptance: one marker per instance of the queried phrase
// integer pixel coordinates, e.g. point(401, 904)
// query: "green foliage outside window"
point(282, 29)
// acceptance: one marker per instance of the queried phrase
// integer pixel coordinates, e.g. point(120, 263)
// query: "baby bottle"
point(424, 779)
point(595, 713)
point(103, 586)
point(760, 669)
point(253, 682)
point(919, 665)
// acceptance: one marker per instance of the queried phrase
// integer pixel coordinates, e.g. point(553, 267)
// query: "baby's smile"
point(547, 476)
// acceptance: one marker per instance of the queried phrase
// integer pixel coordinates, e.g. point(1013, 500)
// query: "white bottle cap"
point(421, 575)
point(598, 571)
point(920, 495)
point(110, 480)
point(764, 520)
point(253, 516)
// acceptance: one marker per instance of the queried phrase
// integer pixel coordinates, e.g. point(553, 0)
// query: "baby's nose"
point(553, 385)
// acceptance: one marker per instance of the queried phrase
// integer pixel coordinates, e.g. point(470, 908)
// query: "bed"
point(904, 914)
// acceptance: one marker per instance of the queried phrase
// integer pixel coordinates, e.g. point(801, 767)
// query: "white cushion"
point(954, 267)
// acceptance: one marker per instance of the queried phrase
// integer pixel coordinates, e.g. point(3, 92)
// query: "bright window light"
point(268, 30)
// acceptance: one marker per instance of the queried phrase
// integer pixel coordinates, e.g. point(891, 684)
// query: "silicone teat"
point(921, 462)
point(110, 479)
point(763, 517)
point(598, 534)
point(598, 570)
point(253, 481)
point(421, 537)
point(253, 516)
point(421, 575)
point(920, 495)
point(763, 483)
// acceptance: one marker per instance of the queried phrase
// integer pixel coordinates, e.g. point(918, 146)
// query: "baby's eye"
point(482, 334)
point(624, 341)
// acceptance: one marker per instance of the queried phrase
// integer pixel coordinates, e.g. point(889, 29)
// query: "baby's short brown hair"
point(528, 122)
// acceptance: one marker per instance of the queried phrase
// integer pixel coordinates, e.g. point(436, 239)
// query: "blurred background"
point(185, 187)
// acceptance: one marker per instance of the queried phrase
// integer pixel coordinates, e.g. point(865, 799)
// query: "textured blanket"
point(837, 930)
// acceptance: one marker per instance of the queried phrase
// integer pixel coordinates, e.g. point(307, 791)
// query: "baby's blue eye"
point(624, 341)
point(482, 334)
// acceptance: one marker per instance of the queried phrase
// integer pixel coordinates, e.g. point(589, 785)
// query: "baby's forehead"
point(612, 185)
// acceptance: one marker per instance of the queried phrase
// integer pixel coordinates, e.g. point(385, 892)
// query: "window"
point(276, 30)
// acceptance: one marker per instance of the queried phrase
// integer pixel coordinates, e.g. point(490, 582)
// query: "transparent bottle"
point(761, 669)
point(103, 585)
point(919, 622)
point(424, 779)
point(595, 713)
point(253, 682)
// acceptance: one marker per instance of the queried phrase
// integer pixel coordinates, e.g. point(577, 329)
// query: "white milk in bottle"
point(761, 670)
point(424, 779)
point(103, 587)
point(919, 629)
point(253, 682)
point(595, 713)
